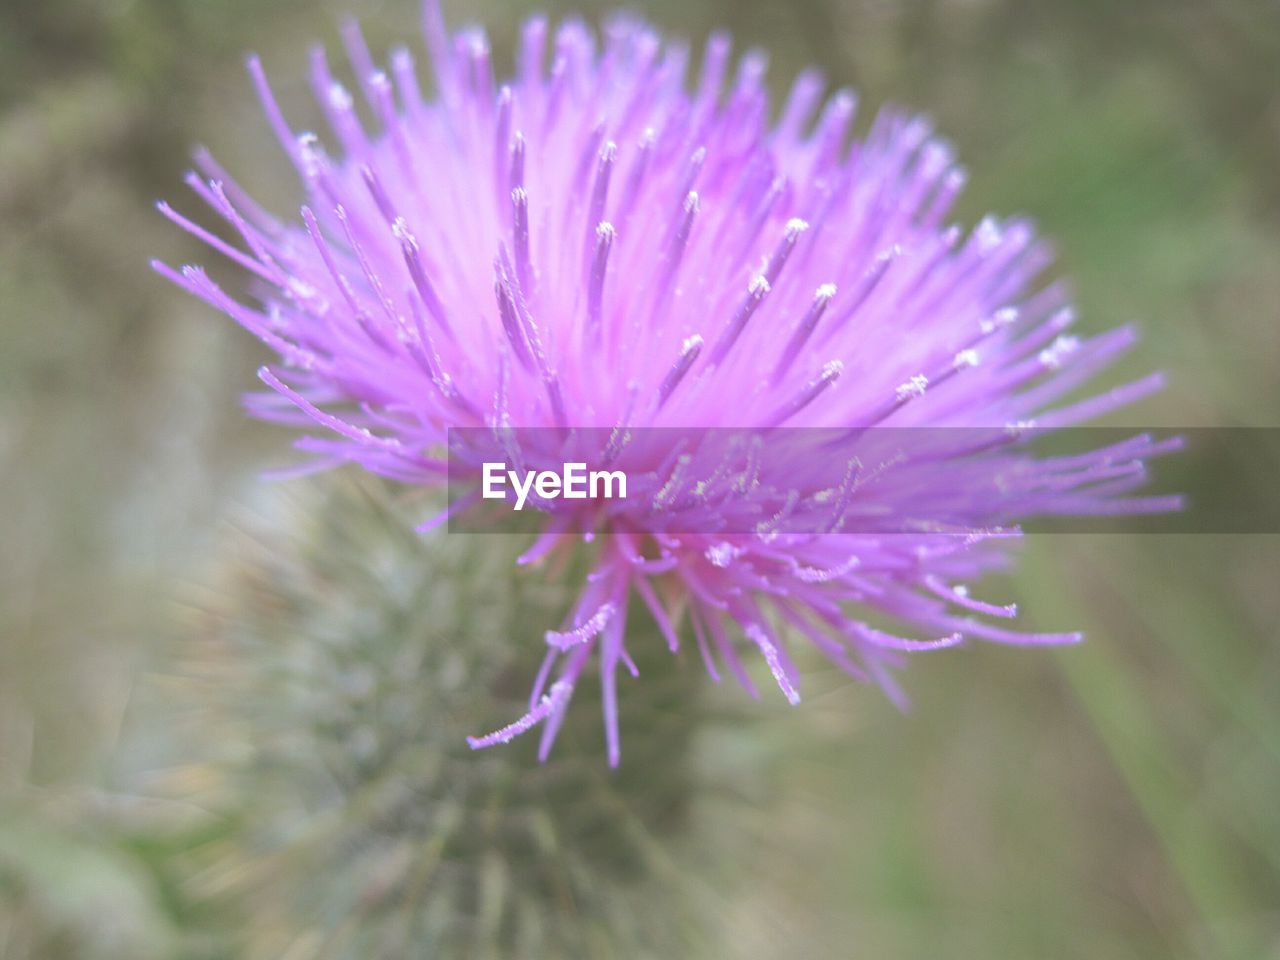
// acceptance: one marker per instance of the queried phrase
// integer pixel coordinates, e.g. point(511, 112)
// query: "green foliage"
point(68, 893)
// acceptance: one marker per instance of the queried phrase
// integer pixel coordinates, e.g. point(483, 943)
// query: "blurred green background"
point(1116, 800)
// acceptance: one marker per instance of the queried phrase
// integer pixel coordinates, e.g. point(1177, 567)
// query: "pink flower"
point(600, 243)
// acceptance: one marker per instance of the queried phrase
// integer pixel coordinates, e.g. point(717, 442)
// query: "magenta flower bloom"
point(600, 242)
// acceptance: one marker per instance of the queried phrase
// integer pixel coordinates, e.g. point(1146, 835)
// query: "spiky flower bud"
point(345, 662)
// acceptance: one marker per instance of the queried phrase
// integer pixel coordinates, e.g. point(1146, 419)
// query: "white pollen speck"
point(301, 289)
point(1005, 316)
point(1019, 234)
point(310, 152)
point(797, 226)
point(917, 130)
point(914, 387)
point(691, 343)
point(988, 235)
point(722, 554)
point(759, 286)
point(966, 358)
point(339, 98)
point(605, 229)
point(1061, 348)
point(936, 159)
point(826, 291)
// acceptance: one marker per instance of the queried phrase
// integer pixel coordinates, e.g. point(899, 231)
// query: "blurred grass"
point(1113, 800)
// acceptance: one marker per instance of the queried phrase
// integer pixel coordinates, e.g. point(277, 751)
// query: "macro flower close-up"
point(607, 242)
point(709, 479)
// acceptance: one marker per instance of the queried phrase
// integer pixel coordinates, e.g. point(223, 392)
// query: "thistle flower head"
point(602, 241)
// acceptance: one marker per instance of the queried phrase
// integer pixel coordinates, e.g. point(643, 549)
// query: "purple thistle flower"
point(601, 243)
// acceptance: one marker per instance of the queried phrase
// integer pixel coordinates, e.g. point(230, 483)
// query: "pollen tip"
point(915, 387)
point(937, 155)
point(1061, 348)
point(1006, 316)
point(988, 234)
point(339, 97)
